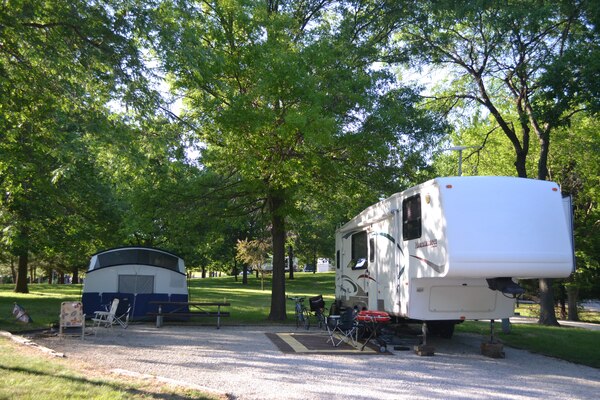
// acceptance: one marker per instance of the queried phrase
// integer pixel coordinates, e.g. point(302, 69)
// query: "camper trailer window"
point(411, 217)
point(359, 250)
point(337, 259)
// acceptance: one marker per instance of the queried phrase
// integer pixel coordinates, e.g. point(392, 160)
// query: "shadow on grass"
point(116, 386)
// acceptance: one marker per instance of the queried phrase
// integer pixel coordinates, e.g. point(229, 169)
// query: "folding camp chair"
point(71, 316)
point(343, 329)
point(122, 313)
point(105, 318)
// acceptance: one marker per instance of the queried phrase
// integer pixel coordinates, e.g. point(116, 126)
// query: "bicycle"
point(317, 306)
point(302, 315)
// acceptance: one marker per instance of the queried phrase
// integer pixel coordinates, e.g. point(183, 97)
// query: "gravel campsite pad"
point(243, 363)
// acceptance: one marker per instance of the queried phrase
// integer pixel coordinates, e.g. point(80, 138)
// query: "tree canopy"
point(285, 94)
point(278, 117)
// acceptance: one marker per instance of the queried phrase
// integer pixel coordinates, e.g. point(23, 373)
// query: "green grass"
point(571, 344)
point(251, 305)
point(31, 375)
point(42, 303)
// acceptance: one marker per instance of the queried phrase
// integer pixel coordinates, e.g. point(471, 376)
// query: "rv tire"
point(444, 329)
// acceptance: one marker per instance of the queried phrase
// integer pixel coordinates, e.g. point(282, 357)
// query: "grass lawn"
point(571, 344)
point(250, 305)
point(29, 374)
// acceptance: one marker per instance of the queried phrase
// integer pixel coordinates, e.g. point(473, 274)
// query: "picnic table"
point(189, 309)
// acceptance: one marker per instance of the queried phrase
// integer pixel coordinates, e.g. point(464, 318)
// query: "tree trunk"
point(13, 271)
point(521, 164)
point(75, 273)
point(21, 284)
point(245, 274)
point(291, 261)
point(572, 294)
point(547, 314)
point(278, 312)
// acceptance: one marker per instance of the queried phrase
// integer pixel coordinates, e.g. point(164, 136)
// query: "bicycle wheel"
point(306, 319)
point(299, 317)
point(320, 319)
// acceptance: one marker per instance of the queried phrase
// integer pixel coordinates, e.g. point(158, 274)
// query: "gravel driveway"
point(244, 364)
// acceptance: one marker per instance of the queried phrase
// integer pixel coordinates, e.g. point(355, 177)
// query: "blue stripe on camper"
point(92, 302)
point(140, 307)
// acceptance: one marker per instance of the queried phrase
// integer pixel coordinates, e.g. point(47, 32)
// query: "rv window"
point(337, 259)
point(359, 250)
point(411, 217)
point(372, 250)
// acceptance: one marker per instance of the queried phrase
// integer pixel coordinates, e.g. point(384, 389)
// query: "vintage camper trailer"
point(135, 275)
point(447, 250)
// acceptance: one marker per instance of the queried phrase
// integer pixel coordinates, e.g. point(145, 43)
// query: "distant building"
point(324, 265)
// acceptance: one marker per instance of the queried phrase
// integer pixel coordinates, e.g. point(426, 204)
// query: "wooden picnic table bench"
point(189, 309)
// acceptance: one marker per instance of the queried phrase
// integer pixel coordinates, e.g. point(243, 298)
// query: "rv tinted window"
point(411, 217)
point(337, 259)
point(359, 250)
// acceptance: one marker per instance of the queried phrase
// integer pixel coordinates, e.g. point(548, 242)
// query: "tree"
point(254, 253)
point(280, 93)
point(510, 60)
point(576, 167)
point(60, 63)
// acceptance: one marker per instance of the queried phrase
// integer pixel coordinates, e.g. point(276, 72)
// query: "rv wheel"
point(444, 329)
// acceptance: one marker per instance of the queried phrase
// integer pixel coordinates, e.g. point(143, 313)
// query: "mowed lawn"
point(250, 304)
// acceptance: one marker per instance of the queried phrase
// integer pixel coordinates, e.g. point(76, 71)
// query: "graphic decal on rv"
point(366, 276)
point(400, 273)
point(437, 268)
point(347, 235)
point(349, 287)
point(391, 239)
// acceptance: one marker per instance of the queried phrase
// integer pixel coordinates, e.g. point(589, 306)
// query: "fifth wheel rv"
point(448, 250)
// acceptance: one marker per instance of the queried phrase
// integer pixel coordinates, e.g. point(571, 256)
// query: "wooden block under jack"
point(492, 350)
point(424, 350)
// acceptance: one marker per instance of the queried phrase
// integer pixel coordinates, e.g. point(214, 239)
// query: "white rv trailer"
point(446, 250)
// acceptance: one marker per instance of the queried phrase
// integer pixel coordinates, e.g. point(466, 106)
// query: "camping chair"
point(343, 329)
point(122, 313)
point(71, 316)
point(105, 318)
